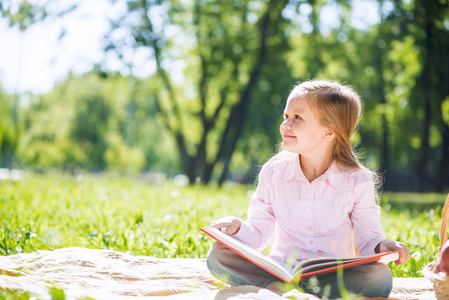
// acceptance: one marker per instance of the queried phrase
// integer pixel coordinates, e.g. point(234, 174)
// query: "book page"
point(317, 266)
point(257, 257)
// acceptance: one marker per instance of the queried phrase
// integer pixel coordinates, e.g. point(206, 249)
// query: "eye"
point(297, 117)
point(285, 116)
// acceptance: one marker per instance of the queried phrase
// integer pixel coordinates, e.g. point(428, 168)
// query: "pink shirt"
point(322, 218)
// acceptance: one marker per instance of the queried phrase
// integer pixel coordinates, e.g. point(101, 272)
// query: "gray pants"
point(370, 280)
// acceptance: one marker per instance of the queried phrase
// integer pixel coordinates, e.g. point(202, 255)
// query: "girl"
point(315, 196)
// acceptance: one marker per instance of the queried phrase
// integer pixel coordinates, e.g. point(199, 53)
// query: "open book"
point(305, 269)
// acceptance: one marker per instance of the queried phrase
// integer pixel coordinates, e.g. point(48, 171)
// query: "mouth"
point(289, 136)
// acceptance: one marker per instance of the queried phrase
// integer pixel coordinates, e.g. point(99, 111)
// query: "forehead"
point(297, 104)
point(297, 92)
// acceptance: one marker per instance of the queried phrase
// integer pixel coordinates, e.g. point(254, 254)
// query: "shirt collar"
point(293, 169)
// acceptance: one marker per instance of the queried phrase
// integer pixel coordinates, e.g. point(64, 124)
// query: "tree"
point(84, 123)
point(228, 49)
point(429, 92)
point(387, 38)
point(8, 130)
point(442, 174)
point(217, 74)
point(22, 14)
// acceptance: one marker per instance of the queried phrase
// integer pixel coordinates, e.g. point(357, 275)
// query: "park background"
point(136, 148)
point(218, 75)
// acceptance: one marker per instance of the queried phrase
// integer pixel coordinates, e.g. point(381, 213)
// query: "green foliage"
point(96, 124)
point(217, 50)
point(120, 157)
point(212, 56)
point(22, 13)
point(9, 131)
point(445, 110)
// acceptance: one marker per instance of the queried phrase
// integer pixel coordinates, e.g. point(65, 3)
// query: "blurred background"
point(197, 87)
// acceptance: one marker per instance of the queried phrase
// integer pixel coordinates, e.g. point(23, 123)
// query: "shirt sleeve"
point(365, 216)
point(257, 231)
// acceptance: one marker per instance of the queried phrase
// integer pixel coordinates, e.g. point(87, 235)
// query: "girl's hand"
point(228, 225)
point(389, 245)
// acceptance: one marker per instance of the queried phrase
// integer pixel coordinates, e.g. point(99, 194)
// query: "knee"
point(381, 278)
point(219, 263)
point(381, 270)
point(216, 256)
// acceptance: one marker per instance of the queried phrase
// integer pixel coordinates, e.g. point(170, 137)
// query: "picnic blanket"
point(107, 274)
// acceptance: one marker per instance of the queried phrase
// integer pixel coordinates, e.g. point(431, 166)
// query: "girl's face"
point(301, 131)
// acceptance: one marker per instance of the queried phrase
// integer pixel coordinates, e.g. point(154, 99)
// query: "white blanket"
point(105, 274)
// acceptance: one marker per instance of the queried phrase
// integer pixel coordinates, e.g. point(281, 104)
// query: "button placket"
point(309, 215)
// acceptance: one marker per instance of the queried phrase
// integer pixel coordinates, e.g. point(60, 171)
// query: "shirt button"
point(311, 242)
point(320, 253)
point(308, 209)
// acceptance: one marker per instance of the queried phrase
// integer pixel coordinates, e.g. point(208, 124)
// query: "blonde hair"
point(339, 108)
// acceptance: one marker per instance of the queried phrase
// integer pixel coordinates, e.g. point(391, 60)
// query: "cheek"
point(295, 126)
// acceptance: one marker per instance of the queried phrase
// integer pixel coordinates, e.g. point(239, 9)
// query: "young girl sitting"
point(315, 197)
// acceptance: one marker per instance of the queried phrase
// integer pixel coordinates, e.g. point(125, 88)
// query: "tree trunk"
point(425, 147)
point(443, 165)
point(422, 171)
point(384, 153)
point(236, 119)
point(378, 62)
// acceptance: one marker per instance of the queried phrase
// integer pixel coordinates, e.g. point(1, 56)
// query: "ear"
point(328, 135)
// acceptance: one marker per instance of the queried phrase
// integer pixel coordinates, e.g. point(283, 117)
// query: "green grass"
point(133, 216)
point(45, 212)
point(414, 219)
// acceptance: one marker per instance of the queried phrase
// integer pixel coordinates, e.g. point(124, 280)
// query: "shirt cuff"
point(371, 248)
point(244, 233)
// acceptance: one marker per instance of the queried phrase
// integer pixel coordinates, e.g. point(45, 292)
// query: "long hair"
point(339, 108)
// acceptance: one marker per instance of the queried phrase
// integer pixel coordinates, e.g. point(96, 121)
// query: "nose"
point(286, 125)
